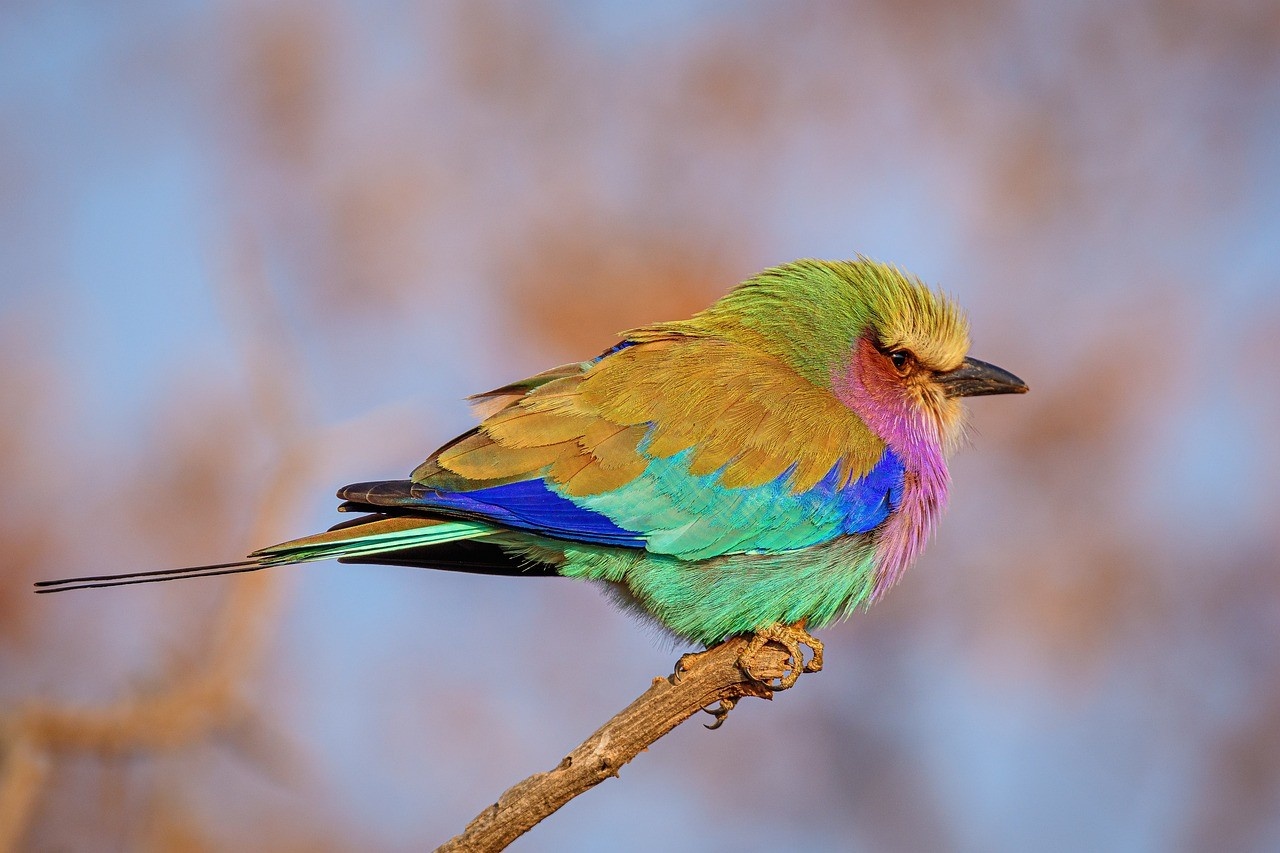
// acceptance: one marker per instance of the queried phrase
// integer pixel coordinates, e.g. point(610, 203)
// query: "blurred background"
point(252, 251)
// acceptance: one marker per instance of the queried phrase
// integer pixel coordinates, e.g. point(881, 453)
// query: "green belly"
point(708, 600)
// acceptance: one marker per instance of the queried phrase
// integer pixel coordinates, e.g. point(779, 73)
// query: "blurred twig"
point(700, 681)
point(191, 704)
point(25, 770)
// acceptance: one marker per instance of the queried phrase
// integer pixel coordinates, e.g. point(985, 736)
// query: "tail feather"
point(128, 578)
point(361, 539)
point(379, 536)
point(476, 556)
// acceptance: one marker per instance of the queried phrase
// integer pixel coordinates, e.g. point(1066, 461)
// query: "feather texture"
point(736, 409)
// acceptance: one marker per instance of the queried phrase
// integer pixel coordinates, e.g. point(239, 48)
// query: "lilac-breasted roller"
point(768, 465)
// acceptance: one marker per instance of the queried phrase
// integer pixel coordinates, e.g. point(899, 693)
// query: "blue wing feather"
point(869, 500)
point(668, 510)
point(530, 505)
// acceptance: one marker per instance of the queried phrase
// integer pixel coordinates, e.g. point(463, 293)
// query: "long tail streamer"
point(379, 536)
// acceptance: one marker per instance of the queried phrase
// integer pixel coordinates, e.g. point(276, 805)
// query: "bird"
point(763, 468)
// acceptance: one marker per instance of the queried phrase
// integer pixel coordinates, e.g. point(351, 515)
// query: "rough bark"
point(714, 677)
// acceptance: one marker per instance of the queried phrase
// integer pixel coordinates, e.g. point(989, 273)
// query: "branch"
point(700, 681)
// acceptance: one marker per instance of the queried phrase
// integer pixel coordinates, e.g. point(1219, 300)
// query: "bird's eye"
point(900, 358)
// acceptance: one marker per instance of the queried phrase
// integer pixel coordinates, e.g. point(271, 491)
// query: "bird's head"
point(891, 348)
point(909, 366)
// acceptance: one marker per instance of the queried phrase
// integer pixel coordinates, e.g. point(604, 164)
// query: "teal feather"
point(363, 542)
point(712, 599)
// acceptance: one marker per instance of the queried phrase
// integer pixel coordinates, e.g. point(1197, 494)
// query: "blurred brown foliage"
point(421, 204)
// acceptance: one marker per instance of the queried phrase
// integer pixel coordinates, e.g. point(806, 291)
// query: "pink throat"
point(871, 388)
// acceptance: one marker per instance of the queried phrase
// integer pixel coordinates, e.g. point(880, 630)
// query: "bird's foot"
point(686, 663)
point(720, 712)
point(791, 638)
point(722, 708)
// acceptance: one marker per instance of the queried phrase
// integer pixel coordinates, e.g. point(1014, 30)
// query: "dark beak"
point(976, 378)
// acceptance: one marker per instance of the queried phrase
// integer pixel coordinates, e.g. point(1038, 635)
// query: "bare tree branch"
point(699, 682)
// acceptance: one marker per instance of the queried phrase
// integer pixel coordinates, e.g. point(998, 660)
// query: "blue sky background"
point(250, 252)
